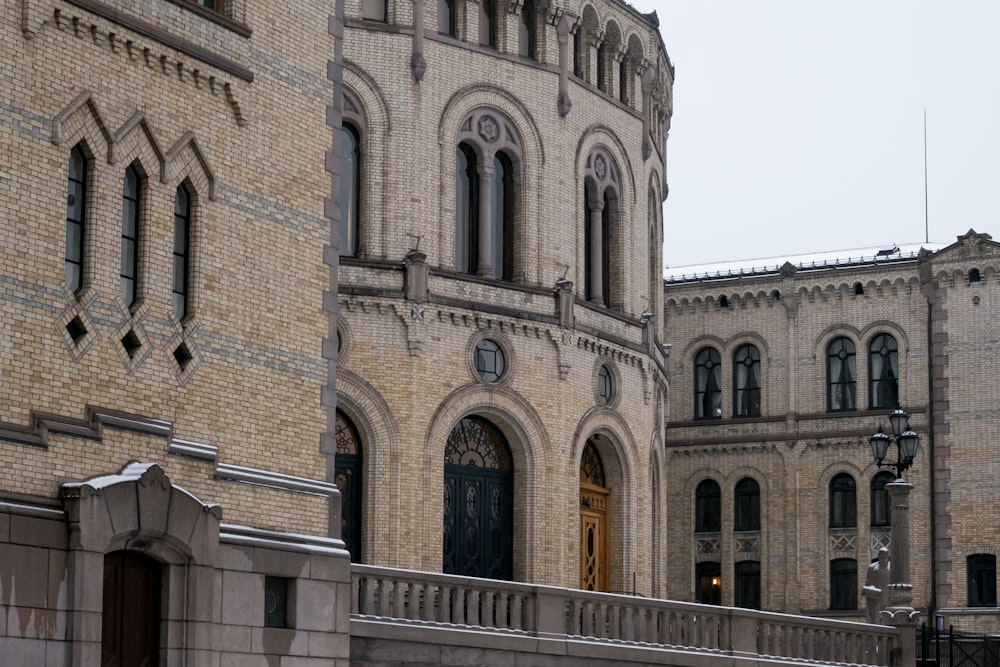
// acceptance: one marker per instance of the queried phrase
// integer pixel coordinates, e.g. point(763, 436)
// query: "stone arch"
point(140, 510)
point(590, 35)
point(632, 58)
point(528, 440)
point(602, 135)
point(82, 120)
point(380, 440)
point(135, 140)
point(185, 160)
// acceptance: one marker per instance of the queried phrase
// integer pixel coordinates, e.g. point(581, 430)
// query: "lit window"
point(708, 507)
point(746, 381)
point(981, 570)
point(182, 251)
point(747, 507)
point(708, 582)
point(490, 361)
point(76, 207)
point(130, 236)
point(350, 190)
point(881, 509)
point(748, 584)
point(707, 384)
point(843, 502)
point(883, 372)
point(840, 375)
point(844, 583)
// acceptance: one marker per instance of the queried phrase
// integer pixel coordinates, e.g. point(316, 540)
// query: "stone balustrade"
point(522, 610)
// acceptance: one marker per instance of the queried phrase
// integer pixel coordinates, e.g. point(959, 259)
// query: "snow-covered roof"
point(812, 261)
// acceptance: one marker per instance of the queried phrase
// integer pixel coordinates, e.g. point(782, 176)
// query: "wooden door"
point(595, 565)
point(131, 611)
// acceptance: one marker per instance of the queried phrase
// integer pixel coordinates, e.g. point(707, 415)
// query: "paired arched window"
point(746, 381)
point(707, 384)
point(843, 502)
point(76, 213)
point(881, 508)
point(708, 507)
point(841, 376)
point(182, 252)
point(883, 372)
point(601, 211)
point(447, 18)
point(488, 23)
point(746, 509)
point(129, 272)
point(527, 31)
point(350, 190)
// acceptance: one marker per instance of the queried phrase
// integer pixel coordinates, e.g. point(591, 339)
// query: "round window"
point(605, 385)
point(489, 360)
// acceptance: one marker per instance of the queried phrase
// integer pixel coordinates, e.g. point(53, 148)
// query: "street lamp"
point(899, 611)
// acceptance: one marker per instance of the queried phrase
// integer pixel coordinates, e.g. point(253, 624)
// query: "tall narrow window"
point(881, 508)
point(502, 224)
point(446, 17)
point(747, 504)
point(708, 582)
point(840, 375)
point(843, 502)
point(602, 62)
point(373, 10)
point(748, 584)
point(981, 571)
point(707, 384)
point(130, 236)
point(348, 477)
point(708, 507)
point(746, 381)
point(487, 23)
point(466, 210)
point(350, 191)
point(623, 80)
point(182, 251)
point(883, 372)
point(526, 31)
point(76, 209)
point(844, 583)
point(578, 53)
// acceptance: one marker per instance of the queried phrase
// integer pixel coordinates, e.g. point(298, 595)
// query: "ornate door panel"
point(595, 563)
point(478, 502)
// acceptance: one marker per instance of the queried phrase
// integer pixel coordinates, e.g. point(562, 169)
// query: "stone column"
point(900, 612)
point(596, 259)
point(485, 216)
point(563, 29)
point(647, 108)
point(417, 63)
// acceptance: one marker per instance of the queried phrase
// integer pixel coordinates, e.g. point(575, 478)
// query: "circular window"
point(605, 385)
point(489, 360)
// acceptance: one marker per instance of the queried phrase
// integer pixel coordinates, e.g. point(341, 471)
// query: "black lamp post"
point(907, 443)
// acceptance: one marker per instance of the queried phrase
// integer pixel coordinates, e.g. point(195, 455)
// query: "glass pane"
point(182, 202)
point(128, 290)
point(348, 193)
point(75, 201)
point(373, 10)
point(179, 278)
point(498, 197)
point(180, 305)
point(444, 17)
point(129, 217)
point(72, 275)
point(180, 237)
point(463, 206)
point(74, 233)
point(128, 258)
point(485, 22)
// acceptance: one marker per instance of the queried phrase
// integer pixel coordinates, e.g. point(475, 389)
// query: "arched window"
point(746, 381)
point(843, 502)
point(881, 508)
point(746, 510)
point(748, 584)
point(981, 577)
point(601, 211)
point(623, 74)
point(374, 10)
point(526, 30)
point(883, 372)
point(130, 609)
point(446, 17)
point(843, 583)
point(974, 276)
point(466, 210)
point(708, 507)
point(350, 190)
point(182, 252)
point(602, 63)
point(840, 375)
point(348, 477)
point(129, 272)
point(502, 224)
point(76, 210)
point(487, 23)
point(707, 384)
point(578, 53)
point(708, 582)
point(478, 502)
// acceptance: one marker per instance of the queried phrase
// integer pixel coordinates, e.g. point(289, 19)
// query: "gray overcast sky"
point(798, 125)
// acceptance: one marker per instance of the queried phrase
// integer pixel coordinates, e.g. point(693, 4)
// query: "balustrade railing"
point(411, 597)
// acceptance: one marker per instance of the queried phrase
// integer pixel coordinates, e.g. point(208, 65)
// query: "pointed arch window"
point(841, 376)
point(129, 272)
point(182, 252)
point(446, 17)
point(526, 34)
point(76, 210)
point(881, 509)
point(746, 381)
point(883, 372)
point(746, 511)
point(843, 502)
point(707, 384)
point(708, 507)
point(350, 190)
point(487, 23)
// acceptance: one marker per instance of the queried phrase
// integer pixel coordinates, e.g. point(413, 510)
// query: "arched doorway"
point(478, 501)
point(347, 476)
point(131, 611)
point(595, 533)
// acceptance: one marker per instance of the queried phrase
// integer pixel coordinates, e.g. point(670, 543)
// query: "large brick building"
point(779, 373)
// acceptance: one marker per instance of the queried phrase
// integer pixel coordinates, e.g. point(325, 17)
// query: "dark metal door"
point(347, 473)
point(131, 611)
point(478, 517)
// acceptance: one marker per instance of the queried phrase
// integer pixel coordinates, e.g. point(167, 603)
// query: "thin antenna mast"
point(927, 229)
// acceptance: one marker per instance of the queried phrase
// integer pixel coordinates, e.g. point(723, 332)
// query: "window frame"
point(74, 258)
point(350, 225)
point(746, 505)
point(881, 503)
point(182, 272)
point(527, 31)
point(889, 361)
point(746, 577)
point(844, 584)
point(843, 501)
point(848, 387)
point(448, 8)
point(981, 592)
point(708, 507)
point(488, 10)
point(705, 589)
point(130, 244)
point(709, 359)
point(749, 385)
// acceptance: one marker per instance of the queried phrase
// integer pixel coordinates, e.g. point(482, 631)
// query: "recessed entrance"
point(595, 561)
point(131, 611)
